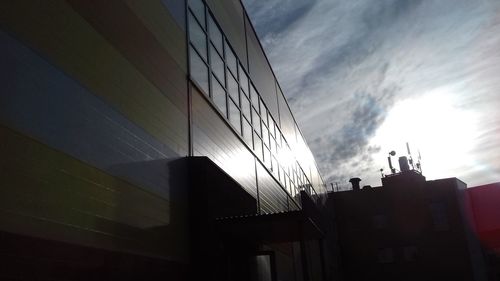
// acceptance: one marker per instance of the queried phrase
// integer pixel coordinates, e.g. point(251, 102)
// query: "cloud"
point(344, 64)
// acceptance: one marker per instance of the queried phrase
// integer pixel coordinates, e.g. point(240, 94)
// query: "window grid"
point(266, 140)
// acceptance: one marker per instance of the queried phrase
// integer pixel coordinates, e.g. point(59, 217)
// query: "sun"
point(436, 126)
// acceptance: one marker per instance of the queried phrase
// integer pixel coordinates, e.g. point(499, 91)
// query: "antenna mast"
point(409, 156)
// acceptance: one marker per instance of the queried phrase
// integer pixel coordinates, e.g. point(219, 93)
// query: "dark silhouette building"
point(407, 229)
point(146, 140)
point(484, 203)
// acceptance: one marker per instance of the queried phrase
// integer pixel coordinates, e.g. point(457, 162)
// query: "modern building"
point(150, 139)
point(485, 211)
point(407, 229)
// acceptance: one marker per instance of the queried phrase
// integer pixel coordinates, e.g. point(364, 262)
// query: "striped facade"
point(98, 107)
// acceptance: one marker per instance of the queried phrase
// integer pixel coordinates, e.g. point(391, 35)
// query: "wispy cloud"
point(349, 62)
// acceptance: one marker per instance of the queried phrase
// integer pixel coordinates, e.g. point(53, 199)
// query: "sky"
point(364, 77)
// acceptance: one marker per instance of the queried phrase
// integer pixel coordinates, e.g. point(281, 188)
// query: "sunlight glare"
point(432, 124)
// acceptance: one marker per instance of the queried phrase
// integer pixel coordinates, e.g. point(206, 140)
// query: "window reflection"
point(199, 71)
point(231, 60)
point(215, 35)
point(234, 116)
point(245, 112)
point(217, 64)
point(245, 107)
point(247, 132)
point(197, 37)
point(232, 87)
point(219, 96)
point(256, 121)
point(198, 9)
point(243, 80)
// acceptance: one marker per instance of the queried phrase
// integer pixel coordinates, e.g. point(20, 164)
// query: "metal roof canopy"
point(271, 228)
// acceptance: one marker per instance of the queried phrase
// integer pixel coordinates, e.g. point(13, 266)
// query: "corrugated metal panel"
point(50, 195)
point(260, 72)
point(71, 43)
point(213, 138)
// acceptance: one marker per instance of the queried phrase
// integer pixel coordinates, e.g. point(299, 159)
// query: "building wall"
point(98, 104)
point(408, 229)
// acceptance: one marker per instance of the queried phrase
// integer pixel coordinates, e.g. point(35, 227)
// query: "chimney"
point(355, 183)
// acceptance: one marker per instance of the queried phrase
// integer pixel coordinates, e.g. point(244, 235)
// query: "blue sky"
point(363, 77)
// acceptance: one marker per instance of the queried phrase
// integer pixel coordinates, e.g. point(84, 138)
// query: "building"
point(150, 139)
point(485, 211)
point(407, 229)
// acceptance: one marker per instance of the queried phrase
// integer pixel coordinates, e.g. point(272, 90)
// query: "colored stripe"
point(39, 100)
point(48, 194)
point(54, 29)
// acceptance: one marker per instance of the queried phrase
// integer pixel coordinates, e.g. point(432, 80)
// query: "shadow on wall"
point(170, 231)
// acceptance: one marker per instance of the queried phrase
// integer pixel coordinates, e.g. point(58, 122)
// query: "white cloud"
point(348, 62)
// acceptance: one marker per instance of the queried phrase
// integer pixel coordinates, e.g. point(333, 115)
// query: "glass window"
point(247, 132)
point(198, 9)
point(263, 113)
point(199, 71)
point(275, 166)
point(219, 96)
point(272, 145)
point(217, 64)
point(245, 107)
point(234, 116)
point(265, 135)
point(271, 126)
point(243, 80)
point(257, 146)
point(232, 87)
point(254, 97)
point(256, 121)
point(197, 37)
point(231, 60)
point(215, 35)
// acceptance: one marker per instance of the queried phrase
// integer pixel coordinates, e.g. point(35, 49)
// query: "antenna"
point(409, 155)
point(419, 165)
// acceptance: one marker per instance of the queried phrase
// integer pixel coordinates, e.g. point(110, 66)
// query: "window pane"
point(215, 34)
point(275, 166)
point(263, 114)
point(247, 132)
point(231, 60)
point(257, 146)
point(217, 64)
point(197, 37)
point(199, 71)
point(198, 9)
point(243, 80)
point(272, 145)
point(256, 121)
point(219, 96)
point(245, 107)
point(232, 87)
point(268, 158)
point(271, 126)
point(234, 116)
point(254, 97)
point(265, 136)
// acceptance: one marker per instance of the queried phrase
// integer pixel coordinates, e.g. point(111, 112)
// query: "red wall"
point(485, 207)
